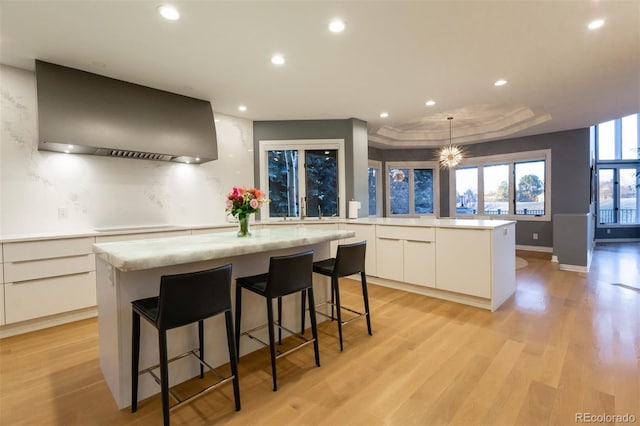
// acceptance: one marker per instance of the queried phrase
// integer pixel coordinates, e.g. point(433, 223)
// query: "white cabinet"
point(464, 261)
point(326, 225)
point(406, 254)
point(420, 262)
point(2, 319)
point(364, 233)
point(46, 277)
point(390, 258)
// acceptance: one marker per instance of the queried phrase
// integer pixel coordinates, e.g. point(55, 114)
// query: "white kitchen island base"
point(116, 288)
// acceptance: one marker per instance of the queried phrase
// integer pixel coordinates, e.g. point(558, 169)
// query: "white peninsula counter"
point(130, 270)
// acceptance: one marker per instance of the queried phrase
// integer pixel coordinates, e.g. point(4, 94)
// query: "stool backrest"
point(291, 273)
point(191, 297)
point(350, 259)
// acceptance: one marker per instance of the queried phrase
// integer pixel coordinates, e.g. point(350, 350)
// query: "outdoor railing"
point(609, 216)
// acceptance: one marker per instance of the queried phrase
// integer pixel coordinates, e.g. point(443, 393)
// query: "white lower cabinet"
point(464, 261)
point(42, 297)
point(390, 258)
point(2, 319)
point(420, 263)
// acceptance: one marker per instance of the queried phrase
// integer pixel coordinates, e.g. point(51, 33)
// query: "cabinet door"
point(365, 233)
point(420, 263)
point(389, 253)
point(464, 261)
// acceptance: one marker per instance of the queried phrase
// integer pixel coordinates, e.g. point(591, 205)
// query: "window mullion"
point(480, 192)
point(512, 188)
point(412, 198)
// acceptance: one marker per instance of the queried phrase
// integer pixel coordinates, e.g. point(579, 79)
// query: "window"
point(618, 171)
point(412, 188)
point(375, 188)
point(509, 185)
point(303, 178)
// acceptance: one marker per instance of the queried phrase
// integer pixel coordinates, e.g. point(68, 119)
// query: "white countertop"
point(422, 222)
point(154, 253)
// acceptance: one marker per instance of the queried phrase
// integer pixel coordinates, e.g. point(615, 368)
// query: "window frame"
point(412, 165)
point(503, 159)
point(375, 164)
point(615, 164)
point(301, 145)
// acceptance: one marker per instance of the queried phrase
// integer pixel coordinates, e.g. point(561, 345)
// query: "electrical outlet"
point(63, 213)
point(535, 235)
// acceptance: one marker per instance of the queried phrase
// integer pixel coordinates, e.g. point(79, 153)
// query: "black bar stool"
point(287, 275)
point(349, 260)
point(184, 299)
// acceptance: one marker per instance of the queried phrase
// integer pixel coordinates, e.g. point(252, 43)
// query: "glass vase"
point(243, 227)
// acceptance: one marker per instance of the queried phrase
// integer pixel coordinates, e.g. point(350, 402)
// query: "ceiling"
point(392, 57)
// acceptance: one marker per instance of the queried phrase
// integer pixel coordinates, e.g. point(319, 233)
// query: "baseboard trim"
point(554, 258)
point(573, 268)
point(617, 240)
point(534, 248)
point(28, 326)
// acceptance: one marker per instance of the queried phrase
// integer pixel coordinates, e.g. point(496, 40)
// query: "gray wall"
point(354, 133)
point(570, 160)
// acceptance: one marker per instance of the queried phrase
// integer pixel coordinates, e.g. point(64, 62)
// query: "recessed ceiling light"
point(169, 12)
point(242, 108)
point(500, 82)
point(197, 158)
point(337, 26)
point(384, 114)
point(430, 102)
point(595, 24)
point(277, 59)
point(70, 146)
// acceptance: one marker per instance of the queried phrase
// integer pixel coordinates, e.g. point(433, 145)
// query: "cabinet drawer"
point(35, 269)
point(411, 233)
point(145, 236)
point(46, 249)
point(389, 255)
point(39, 298)
point(420, 263)
point(1, 273)
point(2, 321)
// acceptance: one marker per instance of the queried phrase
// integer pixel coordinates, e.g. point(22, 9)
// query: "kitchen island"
point(131, 270)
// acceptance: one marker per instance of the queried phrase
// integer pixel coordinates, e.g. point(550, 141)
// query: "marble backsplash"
point(51, 192)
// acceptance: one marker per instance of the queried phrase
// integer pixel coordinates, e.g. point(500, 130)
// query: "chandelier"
point(450, 155)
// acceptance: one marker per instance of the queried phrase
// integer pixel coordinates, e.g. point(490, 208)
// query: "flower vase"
point(243, 230)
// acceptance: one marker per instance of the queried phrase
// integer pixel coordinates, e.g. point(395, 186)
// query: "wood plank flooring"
point(566, 343)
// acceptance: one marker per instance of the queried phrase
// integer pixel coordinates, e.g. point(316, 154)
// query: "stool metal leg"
point(238, 315)
point(135, 360)
point(336, 291)
point(164, 375)
point(365, 295)
point(272, 346)
point(233, 358)
point(280, 320)
point(302, 319)
point(201, 349)
point(314, 326)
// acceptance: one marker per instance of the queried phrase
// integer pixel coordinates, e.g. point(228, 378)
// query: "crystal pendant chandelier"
point(450, 155)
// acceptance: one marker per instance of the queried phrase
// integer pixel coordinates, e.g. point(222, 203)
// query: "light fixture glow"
point(70, 146)
point(593, 25)
point(169, 12)
point(66, 151)
point(242, 108)
point(500, 82)
point(430, 102)
point(277, 59)
point(337, 26)
point(384, 114)
point(450, 155)
point(197, 158)
point(397, 175)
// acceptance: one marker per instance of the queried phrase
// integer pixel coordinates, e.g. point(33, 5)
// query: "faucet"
point(319, 212)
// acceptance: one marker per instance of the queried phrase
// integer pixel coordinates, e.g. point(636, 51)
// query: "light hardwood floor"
point(566, 343)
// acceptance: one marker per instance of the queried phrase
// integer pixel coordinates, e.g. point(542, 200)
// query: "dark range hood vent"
point(84, 113)
point(133, 154)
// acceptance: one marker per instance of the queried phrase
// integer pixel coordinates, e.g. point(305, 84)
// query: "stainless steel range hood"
point(84, 113)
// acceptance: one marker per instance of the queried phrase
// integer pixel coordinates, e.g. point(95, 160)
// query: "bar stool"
point(349, 260)
point(184, 299)
point(287, 274)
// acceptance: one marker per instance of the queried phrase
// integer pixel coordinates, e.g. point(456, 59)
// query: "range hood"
point(84, 113)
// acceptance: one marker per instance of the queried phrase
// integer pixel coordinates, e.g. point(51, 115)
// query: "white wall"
point(102, 192)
